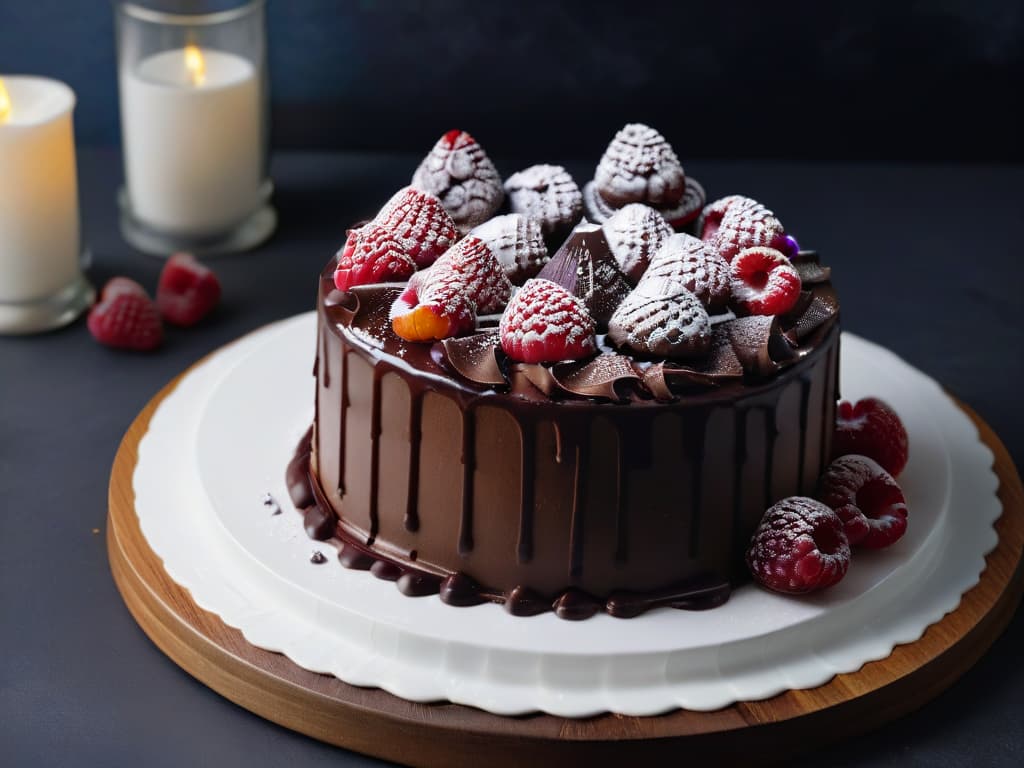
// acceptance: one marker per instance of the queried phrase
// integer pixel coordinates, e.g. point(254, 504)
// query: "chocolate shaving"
point(599, 377)
point(751, 338)
point(586, 267)
point(525, 376)
point(665, 380)
point(810, 269)
point(821, 311)
point(473, 358)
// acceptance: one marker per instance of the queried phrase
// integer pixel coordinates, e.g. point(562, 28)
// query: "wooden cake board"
point(377, 723)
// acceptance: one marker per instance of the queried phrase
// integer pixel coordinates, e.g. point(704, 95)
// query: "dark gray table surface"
point(927, 260)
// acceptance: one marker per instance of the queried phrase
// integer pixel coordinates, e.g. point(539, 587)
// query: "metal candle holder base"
point(49, 312)
point(253, 231)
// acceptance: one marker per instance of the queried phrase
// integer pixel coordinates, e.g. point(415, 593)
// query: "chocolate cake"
point(628, 476)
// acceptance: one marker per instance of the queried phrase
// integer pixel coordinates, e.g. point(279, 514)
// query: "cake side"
point(517, 494)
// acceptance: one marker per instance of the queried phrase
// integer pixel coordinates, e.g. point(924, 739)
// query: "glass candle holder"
point(194, 128)
point(41, 258)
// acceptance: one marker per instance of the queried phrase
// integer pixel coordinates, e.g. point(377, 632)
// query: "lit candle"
point(40, 248)
point(192, 145)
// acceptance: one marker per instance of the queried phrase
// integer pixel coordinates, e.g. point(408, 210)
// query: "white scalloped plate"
point(224, 436)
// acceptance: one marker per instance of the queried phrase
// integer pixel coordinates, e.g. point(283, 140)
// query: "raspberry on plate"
point(188, 291)
point(871, 428)
point(125, 317)
point(544, 323)
point(800, 546)
point(867, 499)
point(764, 282)
point(443, 301)
point(372, 254)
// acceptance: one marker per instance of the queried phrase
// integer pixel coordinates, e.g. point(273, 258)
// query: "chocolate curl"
point(599, 377)
point(751, 339)
point(820, 312)
point(810, 269)
point(474, 358)
point(527, 376)
point(664, 380)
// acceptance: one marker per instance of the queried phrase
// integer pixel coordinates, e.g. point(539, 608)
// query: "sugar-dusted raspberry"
point(688, 208)
point(444, 300)
point(634, 234)
point(662, 318)
point(548, 194)
point(460, 174)
point(711, 218)
point(372, 254)
point(420, 223)
point(544, 323)
point(696, 267)
point(125, 317)
point(764, 282)
point(871, 428)
point(639, 166)
point(517, 243)
point(800, 546)
point(867, 499)
point(748, 227)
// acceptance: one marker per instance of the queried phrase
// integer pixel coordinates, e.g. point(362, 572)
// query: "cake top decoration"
point(639, 166)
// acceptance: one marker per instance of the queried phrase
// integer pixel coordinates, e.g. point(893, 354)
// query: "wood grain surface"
point(376, 723)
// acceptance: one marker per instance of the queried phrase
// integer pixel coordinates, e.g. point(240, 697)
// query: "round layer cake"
point(608, 435)
point(615, 483)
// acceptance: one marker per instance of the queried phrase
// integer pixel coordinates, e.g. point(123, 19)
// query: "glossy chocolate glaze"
point(609, 484)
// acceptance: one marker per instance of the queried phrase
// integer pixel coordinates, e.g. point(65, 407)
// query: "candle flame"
point(195, 64)
point(5, 102)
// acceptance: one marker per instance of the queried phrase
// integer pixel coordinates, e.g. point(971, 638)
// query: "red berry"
point(187, 290)
point(871, 428)
point(420, 224)
point(744, 226)
point(443, 301)
point(799, 546)
point(371, 255)
point(125, 317)
point(764, 282)
point(544, 323)
point(711, 218)
point(867, 500)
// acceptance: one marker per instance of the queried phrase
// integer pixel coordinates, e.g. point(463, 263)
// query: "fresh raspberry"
point(711, 218)
point(871, 428)
point(867, 500)
point(444, 301)
point(799, 546)
point(420, 223)
point(371, 255)
point(125, 317)
point(544, 323)
point(764, 282)
point(460, 174)
point(745, 227)
point(187, 290)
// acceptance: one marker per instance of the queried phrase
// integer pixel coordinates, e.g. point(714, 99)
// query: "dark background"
point(920, 81)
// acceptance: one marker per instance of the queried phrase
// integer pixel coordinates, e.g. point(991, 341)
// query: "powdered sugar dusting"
point(639, 166)
point(634, 233)
point(460, 174)
point(545, 323)
point(595, 208)
point(685, 260)
point(420, 223)
point(516, 242)
point(548, 194)
point(657, 319)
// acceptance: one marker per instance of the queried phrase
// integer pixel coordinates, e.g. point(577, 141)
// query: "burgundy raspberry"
point(867, 499)
point(871, 428)
point(800, 546)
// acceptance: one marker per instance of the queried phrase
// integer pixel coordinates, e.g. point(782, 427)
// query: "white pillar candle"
point(192, 145)
point(39, 227)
